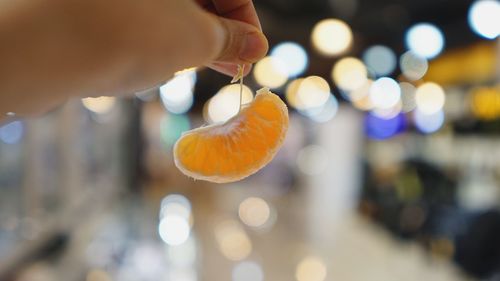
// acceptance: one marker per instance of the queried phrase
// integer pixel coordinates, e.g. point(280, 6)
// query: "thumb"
point(243, 42)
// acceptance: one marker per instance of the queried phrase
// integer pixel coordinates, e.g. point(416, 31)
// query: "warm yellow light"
point(360, 97)
point(311, 269)
point(254, 212)
point(233, 242)
point(331, 37)
point(100, 105)
point(291, 92)
point(313, 92)
point(485, 103)
point(349, 74)
point(429, 98)
point(269, 72)
point(226, 103)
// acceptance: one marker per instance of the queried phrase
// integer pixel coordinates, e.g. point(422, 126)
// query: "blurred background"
point(390, 170)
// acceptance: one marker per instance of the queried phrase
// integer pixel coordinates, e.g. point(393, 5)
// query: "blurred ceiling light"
point(325, 113)
point(331, 37)
point(385, 93)
point(429, 98)
point(248, 271)
point(380, 129)
point(380, 59)
point(407, 96)
point(254, 212)
point(312, 160)
point(99, 105)
point(174, 229)
point(271, 72)
point(12, 133)
point(425, 39)
point(484, 18)
point(294, 57)
point(291, 92)
point(413, 66)
point(349, 74)
point(175, 204)
point(312, 93)
point(428, 123)
point(177, 94)
point(311, 269)
point(233, 241)
point(226, 103)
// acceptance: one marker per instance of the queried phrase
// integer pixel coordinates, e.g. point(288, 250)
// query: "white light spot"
point(484, 18)
point(430, 98)
point(413, 66)
point(425, 40)
point(293, 56)
point(385, 93)
point(174, 230)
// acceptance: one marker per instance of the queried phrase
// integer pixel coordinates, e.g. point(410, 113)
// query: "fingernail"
point(253, 46)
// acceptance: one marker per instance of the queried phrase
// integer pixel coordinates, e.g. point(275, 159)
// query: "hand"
point(55, 49)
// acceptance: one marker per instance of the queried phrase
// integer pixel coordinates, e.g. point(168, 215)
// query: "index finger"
point(242, 10)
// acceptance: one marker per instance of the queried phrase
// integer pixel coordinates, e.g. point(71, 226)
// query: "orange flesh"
point(237, 148)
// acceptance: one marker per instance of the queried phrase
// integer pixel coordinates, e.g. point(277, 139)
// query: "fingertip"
point(254, 47)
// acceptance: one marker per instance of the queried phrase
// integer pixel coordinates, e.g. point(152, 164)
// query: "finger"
point(244, 43)
point(242, 10)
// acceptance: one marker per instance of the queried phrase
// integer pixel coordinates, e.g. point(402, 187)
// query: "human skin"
point(52, 50)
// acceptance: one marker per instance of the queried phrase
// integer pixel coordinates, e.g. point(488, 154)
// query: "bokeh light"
point(271, 72)
point(382, 128)
point(413, 66)
point(349, 74)
point(174, 230)
point(428, 123)
point(177, 94)
point(484, 18)
point(389, 113)
point(175, 215)
point(254, 212)
point(293, 55)
point(430, 98)
point(175, 204)
point(226, 103)
point(380, 59)
point(385, 93)
point(360, 98)
point(99, 105)
point(248, 271)
point(331, 37)
point(408, 92)
point(324, 113)
point(312, 93)
point(312, 160)
point(12, 133)
point(311, 269)
point(485, 103)
point(172, 126)
point(291, 92)
point(425, 39)
point(233, 241)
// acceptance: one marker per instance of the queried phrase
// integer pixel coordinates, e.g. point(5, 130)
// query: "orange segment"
point(239, 147)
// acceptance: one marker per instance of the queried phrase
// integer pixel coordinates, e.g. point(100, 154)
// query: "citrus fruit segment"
point(237, 148)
